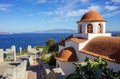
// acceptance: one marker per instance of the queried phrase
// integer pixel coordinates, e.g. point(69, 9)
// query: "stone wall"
point(55, 73)
point(18, 72)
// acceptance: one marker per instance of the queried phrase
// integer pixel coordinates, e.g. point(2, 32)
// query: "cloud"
point(107, 3)
point(95, 8)
point(116, 1)
point(31, 14)
point(83, 11)
point(111, 8)
point(40, 1)
point(112, 13)
point(67, 9)
point(46, 13)
point(4, 7)
point(77, 12)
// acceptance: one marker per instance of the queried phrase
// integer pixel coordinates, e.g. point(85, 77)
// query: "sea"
point(33, 39)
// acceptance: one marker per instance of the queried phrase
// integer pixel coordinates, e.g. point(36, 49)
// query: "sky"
point(40, 15)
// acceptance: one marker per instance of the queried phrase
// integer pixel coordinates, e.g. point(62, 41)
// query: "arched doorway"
point(89, 28)
point(80, 28)
point(100, 28)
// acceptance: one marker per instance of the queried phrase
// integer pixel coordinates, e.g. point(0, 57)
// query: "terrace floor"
point(34, 71)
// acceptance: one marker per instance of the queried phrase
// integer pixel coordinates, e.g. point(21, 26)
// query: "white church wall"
point(82, 57)
point(61, 48)
point(67, 67)
point(115, 66)
point(90, 36)
point(95, 26)
point(72, 44)
point(80, 35)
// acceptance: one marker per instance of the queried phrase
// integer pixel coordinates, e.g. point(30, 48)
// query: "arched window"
point(89, 28)
point(80, 28)
point(100, 28)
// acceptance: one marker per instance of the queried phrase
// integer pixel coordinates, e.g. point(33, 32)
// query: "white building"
point(91, 41)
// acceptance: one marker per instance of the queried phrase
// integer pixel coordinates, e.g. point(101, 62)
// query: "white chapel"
point(91, 41)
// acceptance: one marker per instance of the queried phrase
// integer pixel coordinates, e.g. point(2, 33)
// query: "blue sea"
point(25, 39)
point(33, 39)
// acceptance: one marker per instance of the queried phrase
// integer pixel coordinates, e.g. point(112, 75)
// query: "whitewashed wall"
point(82, 56)
point(72, 44)
point(61, 48)
point(95, 26)
point(90, 36)
point(67, 67)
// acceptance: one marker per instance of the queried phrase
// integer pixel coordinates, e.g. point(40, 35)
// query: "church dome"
point(92, 16)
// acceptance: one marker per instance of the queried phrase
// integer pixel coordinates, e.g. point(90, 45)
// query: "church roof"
point(74, 39)
point(105, 47)
point(68, 54)
point(92, 16)
point(77, 39)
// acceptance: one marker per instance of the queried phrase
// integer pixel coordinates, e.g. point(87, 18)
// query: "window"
point(89, 28)
point(80, 29)
point(100, 28)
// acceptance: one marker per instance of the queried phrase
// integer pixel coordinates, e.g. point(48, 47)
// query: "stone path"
point(34, 72)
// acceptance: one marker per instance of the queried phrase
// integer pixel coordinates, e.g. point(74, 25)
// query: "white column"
point(29, 48)
point(13, 48)
point(104, 27)
point(95, 27)
point(1, 56)
point(20, 49)
point(78, 28)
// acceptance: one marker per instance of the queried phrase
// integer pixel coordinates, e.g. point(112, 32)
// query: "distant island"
point(58, 31)
point(6, 33)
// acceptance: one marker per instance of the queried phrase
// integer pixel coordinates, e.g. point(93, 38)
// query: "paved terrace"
point(34, 71)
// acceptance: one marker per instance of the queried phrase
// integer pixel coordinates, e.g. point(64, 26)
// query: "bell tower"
point(92, 24)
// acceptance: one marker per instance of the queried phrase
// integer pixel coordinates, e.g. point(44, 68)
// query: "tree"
point(52, 45)
point(50, 42)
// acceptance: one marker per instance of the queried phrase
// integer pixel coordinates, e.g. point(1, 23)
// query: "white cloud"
point(77, 13)
point(4, 7)
point(116, 1)
point(95, 8)
point(112, 13)
point(107, 3)
point(111, 8)
point(40, 1)
point(31, 14)
point(84, 1)
point(83, 11)
point(46, 13)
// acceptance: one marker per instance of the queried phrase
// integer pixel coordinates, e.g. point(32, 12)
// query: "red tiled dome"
point(92, 16)
point(67, 54)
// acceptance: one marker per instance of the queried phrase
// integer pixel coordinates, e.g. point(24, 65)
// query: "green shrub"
point(93, 69)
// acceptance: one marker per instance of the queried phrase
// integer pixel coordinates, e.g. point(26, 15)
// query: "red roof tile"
point(74, 39)
point(77, 39)
point(67, 54)
point(92, 16)
point(105, 47)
